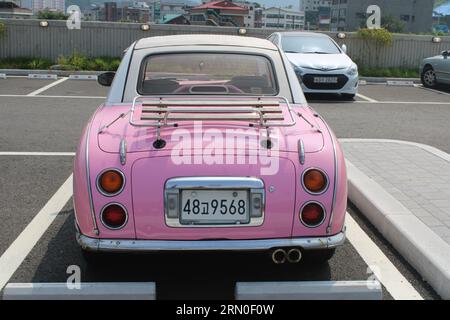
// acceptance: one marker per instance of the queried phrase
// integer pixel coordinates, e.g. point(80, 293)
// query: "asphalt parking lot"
point(40, 125)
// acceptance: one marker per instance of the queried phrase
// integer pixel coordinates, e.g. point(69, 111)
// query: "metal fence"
point(26, 38)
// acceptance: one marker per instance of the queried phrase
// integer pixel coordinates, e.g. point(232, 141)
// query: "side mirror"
point(106, 78)
point(445, 53)
point(344, 48)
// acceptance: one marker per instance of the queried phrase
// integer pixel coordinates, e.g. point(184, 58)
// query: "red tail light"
point(110, 182)
point(114, 216)
point(312, 214)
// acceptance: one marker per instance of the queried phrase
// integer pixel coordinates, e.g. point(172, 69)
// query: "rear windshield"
point(207, 73)
point(304, 44)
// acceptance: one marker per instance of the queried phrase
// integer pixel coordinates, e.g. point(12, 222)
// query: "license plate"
point(214, 207)
point(325, 79)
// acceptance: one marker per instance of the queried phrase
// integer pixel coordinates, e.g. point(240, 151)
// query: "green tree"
point(374, 42)
point(50, 15)
point(2, 28)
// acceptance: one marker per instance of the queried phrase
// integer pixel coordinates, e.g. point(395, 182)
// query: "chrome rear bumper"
point(119, 245)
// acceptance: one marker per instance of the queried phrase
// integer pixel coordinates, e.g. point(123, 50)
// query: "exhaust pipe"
point(279, 256)
point(294, 256)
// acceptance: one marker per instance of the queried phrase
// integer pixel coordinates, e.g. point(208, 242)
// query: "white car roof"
point(204, 39)
point(302, 34)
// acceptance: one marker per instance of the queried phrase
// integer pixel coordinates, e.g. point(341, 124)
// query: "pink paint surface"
point(147, 169)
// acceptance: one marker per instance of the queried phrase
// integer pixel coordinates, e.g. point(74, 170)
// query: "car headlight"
point(298, 72)
point(353, 70)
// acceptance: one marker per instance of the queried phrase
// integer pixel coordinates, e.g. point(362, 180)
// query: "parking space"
point(43, 124)
point(49, 124)
point(26, 185)
point(184, 276)
point(382, 93)
point(21, 85)
point(78, 88)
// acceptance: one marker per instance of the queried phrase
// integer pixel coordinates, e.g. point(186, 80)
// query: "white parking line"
point(44, 96)
point(14, 153)
point(431, 90)
point(359, 95)
point(55, 83)
point(394, 282)
point(406, 102)
point(13, 257)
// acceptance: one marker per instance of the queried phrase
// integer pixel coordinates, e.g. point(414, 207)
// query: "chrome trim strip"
point(321, 222)
point(117, 204)
point(123, 152)
point(253, 185)
point(124, 245)
point(100, 190)
point(301, 151)
point(88, 180)
point(214, 183)
point(333, 204)
point(326, 177)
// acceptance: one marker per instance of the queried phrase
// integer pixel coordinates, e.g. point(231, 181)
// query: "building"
point(282, 18)
point(109, 12)
point(219, 13)
point(253, 10)
point(129, 12)
point(92, 13)
point(174, 19)
point(259, 17)
point(317, 14)
point(11, 10)
point(350, 15)
point(313, 5)
point(172, 7)
point(155, 9)
point(50, 5)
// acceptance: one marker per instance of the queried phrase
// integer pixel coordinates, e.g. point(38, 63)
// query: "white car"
point(436, 70)
point(320, 64)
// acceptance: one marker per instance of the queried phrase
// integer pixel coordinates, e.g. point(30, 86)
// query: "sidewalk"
point(404, 190)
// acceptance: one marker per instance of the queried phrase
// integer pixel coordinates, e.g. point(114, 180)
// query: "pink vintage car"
point(206, 143)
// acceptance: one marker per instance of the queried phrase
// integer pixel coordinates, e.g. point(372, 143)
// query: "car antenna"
point(122, 115)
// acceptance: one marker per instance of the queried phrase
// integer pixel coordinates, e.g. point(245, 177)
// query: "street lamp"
point(145, 27)
point(242, 31)
point(436, 40)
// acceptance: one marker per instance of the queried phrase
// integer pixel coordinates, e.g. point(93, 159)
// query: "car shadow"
point(180, 275)
point(327, 97)
point(443, 88)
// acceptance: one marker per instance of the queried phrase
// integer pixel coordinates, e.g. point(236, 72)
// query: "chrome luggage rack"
point(167, 111)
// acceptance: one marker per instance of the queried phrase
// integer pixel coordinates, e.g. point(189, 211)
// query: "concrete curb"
point(418, 244)
point(309, 290)
point(384, 80)
point(61, 73)
point(86, 291)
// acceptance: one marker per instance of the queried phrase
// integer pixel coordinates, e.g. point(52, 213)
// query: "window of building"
point(404, 17)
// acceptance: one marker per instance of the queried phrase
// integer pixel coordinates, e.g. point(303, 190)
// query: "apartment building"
point(282, 18)
point(313, 5)
point(51, 5)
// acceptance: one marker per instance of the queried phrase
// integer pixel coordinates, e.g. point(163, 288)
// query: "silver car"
point(436, 70)
point(320, 64)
